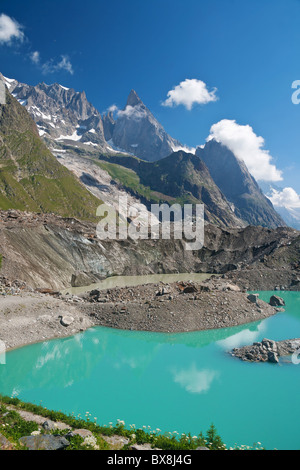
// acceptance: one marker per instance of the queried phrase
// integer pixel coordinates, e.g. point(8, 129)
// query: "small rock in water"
point(273, 357)
point(276, 301)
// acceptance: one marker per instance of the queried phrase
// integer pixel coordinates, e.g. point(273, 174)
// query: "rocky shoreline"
point(29, 316)
point(267, 350)
point(175, 307)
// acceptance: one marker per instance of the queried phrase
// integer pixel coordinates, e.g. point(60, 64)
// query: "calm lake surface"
point(174, 382)
point(130, 281)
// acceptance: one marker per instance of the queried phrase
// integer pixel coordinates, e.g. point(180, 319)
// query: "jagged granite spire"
point(137, 131)
point(133, 99)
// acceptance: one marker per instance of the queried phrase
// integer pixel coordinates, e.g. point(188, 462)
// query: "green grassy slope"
point(180, 178)
point(31, 179)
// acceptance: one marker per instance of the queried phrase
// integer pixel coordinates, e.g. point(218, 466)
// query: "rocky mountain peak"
point(61, 114)
point(133, 99)
point(137, 131)
point(10, 83)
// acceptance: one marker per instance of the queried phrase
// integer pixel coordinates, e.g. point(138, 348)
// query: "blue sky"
point(248, 50)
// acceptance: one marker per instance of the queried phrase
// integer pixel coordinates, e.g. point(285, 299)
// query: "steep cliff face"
point(108, 125)
point(49, 251)
point(239, 187)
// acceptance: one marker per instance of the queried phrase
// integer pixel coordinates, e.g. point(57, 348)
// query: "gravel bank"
point(176, 307)
point(30, 317)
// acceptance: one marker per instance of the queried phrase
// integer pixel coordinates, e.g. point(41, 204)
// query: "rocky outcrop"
point(278, 269)
point(276, 301)
point(5, 444)
point(44, 442)
point(68, 121)
point(267, 350)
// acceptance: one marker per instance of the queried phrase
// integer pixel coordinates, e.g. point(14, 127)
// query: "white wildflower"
point(90, 441)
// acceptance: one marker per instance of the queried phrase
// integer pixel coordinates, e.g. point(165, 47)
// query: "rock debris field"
point(175, 307)
point(29, 316)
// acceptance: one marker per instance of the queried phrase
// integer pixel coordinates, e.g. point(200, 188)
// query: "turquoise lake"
point(174, 382)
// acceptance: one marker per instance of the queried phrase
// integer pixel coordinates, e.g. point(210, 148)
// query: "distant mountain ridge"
point(61, 114)
point(72, 127)
point(179, 178)
point(67, 119)
point(239, 187)
point(137, 131)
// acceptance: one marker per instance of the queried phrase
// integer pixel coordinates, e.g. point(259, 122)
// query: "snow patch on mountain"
point(114, 148)
point(8, 82)
point(76, 137)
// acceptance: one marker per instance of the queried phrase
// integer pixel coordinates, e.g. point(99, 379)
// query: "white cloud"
point(63, 64)
point(287, 204)
point(131, 112)
point(194, 380)
point(287, 198)
point(9, 29)
point(113, 108)
point(190, 92)
point(35, 57)
point(243, 338)
point(246, 146)
point(135, 112)
point(185, 148)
